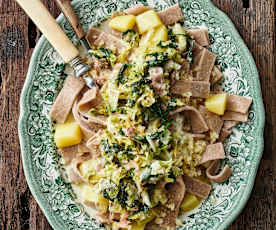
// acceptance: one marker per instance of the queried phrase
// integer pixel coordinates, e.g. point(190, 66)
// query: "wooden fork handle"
point(49, 27)
point(72, 18)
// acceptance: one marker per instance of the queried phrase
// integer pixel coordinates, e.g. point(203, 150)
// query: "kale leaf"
point(156, 59)
point(110, 191)
point(171, 35)
point(103, 54)
point(130, 36)
point(158, 112)
point(120, 77)
point(140, 139)
point(189, 55)
point(137, 86)
point(167, 44)
point(115, 152)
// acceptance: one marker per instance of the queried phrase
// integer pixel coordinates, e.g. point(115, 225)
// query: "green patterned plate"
point(44, 80)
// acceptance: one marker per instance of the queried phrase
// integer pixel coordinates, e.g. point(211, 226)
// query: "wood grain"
point(254, 19)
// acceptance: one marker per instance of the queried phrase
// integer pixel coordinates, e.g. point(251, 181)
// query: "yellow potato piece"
point(68, 133)
point(216, 103)
point(161, 34)
point(146, 38)
point(152, 37)
point(189, 203)
point(123, 23)
point(89, 194)
point(147, 21)
point(178, 29)
point(103, 204)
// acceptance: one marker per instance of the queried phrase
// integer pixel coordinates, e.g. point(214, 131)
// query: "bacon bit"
point(130, 132)
point(158, 81)
point(98, 65)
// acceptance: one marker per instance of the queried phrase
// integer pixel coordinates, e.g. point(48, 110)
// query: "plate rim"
point(53, 221)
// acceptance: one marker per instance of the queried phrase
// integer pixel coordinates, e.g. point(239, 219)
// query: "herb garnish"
point(120, 77)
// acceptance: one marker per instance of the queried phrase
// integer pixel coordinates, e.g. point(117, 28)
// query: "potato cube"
point(146, 38)
point(68, 133)
point(178, 29)
point(161, 34)
point(123, 23)
point(147, 21)
point(89, 194)
point(189, 203)
point(154, 36)
point(182, 40)
point(216, 103)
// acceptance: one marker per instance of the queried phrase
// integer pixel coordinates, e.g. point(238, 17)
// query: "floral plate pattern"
point(44, 80)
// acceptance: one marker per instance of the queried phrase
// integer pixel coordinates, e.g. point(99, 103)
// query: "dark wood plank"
point(254, 19)
point(256, 25)
point(18, 209)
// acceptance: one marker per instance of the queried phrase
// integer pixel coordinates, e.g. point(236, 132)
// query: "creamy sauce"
point(104, 26)
point(77, 189)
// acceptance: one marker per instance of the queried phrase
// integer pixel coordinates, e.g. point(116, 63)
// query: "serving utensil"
point(57, 37)
point(68, 11)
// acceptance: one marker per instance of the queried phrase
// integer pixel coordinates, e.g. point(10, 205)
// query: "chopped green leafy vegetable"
point(171, 35)
point(131, 37)
point(167, 44)
point(158, 112)
point(189, 55)
point(137, 86)
point(140, 139)
point(156, 59)
point(143, 146)
point(120, 78)
point(105, 55)
point(111, 192)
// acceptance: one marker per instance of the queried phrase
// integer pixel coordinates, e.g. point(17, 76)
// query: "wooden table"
point(255, 20)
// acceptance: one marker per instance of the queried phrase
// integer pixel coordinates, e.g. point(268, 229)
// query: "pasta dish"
point(144, 146)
